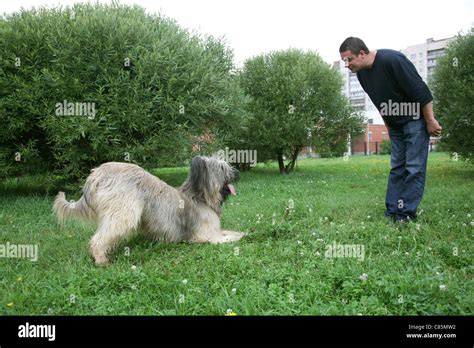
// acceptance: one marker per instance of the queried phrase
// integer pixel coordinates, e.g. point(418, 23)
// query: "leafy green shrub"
point(453, 95)
point(385, 147)
point(295, 98)
point(93, 83)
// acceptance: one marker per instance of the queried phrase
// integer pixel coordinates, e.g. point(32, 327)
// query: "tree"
point(93, 83)
point(453, 93)
point(295, 98)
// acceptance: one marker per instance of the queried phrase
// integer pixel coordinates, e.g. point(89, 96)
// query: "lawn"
point(282, 267)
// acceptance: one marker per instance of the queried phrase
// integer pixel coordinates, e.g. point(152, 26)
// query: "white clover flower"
point(134, 268)
point(442, 287)
point(185, 281)
point(364, 277)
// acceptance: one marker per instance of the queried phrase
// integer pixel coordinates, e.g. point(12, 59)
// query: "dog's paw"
point(102, 263)
point(101, 260)
point(231, 236)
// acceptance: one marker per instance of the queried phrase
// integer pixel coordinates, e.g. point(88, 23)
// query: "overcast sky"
point(252, 27)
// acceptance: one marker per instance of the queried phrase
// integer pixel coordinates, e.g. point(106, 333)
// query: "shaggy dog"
point(123, 197)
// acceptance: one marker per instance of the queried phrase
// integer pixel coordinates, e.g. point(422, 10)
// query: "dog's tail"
point(64, 209)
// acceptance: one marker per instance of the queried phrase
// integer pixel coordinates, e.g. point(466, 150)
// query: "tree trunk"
point(281, 163)
point(294, 156)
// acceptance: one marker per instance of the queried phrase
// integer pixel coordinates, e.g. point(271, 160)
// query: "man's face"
point(354, 62)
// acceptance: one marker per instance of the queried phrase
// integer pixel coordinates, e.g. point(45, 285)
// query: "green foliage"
point(295, 100)
point(453, 93)
point(385, 147)
point(154, 88)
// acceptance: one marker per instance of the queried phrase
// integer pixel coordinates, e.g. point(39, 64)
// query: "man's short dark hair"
point(353, 44)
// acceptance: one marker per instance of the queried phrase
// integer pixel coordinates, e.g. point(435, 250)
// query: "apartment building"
point(424, 55)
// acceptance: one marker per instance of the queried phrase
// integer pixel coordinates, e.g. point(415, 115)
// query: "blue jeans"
point(406, 181)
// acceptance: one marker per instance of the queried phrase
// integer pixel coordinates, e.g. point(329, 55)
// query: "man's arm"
point(416, 89)
point(432, 125)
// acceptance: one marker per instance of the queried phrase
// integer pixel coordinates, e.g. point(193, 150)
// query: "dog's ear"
point(199, 174)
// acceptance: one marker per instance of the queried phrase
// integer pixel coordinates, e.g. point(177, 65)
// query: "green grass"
point(279, 268)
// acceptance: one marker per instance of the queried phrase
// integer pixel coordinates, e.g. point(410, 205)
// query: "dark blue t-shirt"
point(395, 87)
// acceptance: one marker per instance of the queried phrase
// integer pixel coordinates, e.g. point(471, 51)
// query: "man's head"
point(355, 53)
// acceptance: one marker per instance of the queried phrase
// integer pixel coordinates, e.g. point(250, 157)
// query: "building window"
point(370, 121)
point(370, 136)
point(384, 136)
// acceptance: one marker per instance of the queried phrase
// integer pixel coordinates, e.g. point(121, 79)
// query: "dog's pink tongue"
point(232, 189)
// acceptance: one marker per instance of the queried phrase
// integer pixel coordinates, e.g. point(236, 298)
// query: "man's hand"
point(433, 128)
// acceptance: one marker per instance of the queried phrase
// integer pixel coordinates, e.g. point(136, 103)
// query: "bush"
point(295, 98)
point(453, 95)
point(149, 88)
point(385, 147)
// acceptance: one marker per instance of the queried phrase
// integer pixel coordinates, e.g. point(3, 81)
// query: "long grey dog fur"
point(123, 197)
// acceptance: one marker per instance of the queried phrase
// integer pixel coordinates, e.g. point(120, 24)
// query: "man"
point(405, 103)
